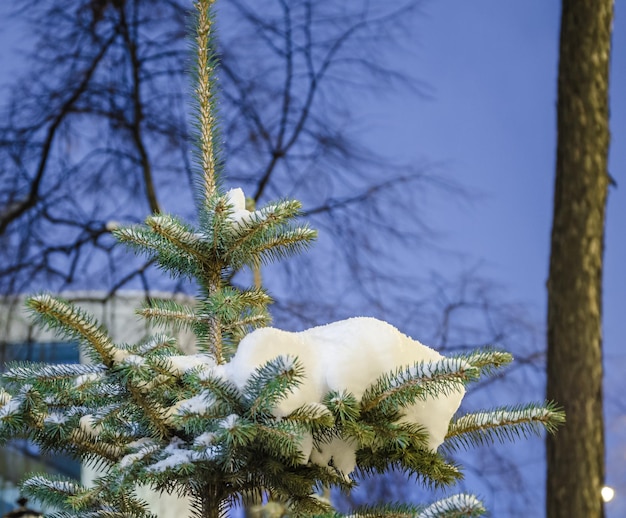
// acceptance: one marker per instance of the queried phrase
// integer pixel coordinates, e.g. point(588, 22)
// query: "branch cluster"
point(196, 426)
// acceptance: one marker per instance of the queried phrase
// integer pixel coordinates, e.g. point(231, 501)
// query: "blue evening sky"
point(492, 67)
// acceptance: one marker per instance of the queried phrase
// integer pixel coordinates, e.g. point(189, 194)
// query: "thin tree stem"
point(204, 95)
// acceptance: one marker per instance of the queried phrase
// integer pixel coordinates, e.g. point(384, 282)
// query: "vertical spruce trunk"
point(576, 452)
point(209, 501)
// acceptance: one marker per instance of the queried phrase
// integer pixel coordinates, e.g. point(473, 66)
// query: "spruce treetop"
point(255, 410)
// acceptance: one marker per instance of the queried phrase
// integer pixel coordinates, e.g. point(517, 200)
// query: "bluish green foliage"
point(148, 413)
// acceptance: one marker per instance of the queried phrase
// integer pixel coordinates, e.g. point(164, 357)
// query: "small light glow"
point(607, 493)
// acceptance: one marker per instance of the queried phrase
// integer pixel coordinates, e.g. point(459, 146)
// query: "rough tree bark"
point(576, 453)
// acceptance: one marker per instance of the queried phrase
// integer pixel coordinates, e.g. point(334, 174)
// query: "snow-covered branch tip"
point(503, 424)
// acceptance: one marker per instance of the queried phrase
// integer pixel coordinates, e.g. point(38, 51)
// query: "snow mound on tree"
point(346, 355)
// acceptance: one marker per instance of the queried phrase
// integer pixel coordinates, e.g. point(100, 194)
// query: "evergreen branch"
point(101, 513)
point(125, 503)
point(314, 417)
point(138, 454)
point(251, 298)
point(75, 323)
point(176, 365)
point(240, 327)
point(487, 360)
point(101, 500)
point(249, 226)
point(456, 506)
point(172, 459)
point(389, 436)
point(309, 505)
point(235, 432)
point(52, 489)
point(169, 258)
point(155, 346)
point(152, 411)
point(418, 382)
point(169, 312)
point(84, 444)
point(230, 304)
point(37, 371)
point(271, 383)
point(180, 237)
point(201, 405)
point(143, 238)
point(281, 440)
point(428, 467)
point(13, 416)
point(503, 424)
point(214, 223)
point(388, 510)
point(138, 379)
point(365, 434)
point(238, 312)
point(278, 244)
point(343, 405)
point(223, 390)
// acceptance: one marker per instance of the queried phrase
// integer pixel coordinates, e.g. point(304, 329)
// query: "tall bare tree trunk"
point(576, 453)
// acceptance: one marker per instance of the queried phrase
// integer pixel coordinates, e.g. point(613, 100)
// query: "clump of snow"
point(346, 355)
point(131, 458)
point(134, 359)
point(339, 452)
point(88, 425)
point(229, 422)
point(52, 400)
point(176, 455)
point(265, 344)
point(5, 397)
point(119, 355)
point(55, 418)
point(181, 364)
point(199, 405)
point(12, 406)
point(237, 200)
point(145, 445)
point(141, 443)
point(81, 380)
point(112, 225)
point(204, 439)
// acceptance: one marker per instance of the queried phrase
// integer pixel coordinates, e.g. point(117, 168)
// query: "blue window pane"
point(50, 352)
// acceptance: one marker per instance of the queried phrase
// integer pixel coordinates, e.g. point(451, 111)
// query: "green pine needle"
point(75, 323)
point(271, 383)
point(417, 382)
point(502, 424)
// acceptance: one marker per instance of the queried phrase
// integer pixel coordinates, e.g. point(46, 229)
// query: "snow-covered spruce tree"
point(259, 411)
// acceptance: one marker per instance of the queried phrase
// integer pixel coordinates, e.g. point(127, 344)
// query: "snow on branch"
point(503, 424)
point(456, 506)
point(25, 371)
